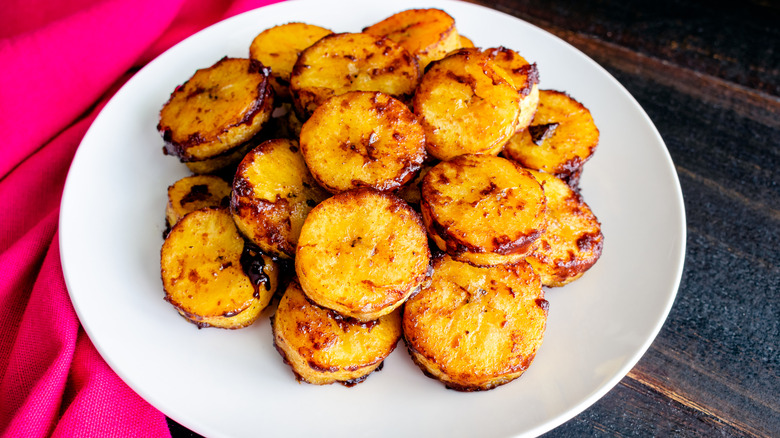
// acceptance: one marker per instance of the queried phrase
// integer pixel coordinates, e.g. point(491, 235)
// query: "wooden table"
point(708, 75)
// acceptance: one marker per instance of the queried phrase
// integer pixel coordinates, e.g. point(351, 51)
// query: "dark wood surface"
point(708, 75)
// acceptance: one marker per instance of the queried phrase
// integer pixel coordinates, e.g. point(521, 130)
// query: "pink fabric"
point(59, 63)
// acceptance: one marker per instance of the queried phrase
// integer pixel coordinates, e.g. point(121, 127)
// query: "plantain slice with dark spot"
point(324, 347)
point(193, 193)
point(345, 62)
point(216, 110)
point(210, 276)
point(466, 105)
point(561, 138)
point(273, 192)
point(475, 328)
point(363, 139)
point(572, 242)
point(362, 253)
point(482, 209)
point(525, 77)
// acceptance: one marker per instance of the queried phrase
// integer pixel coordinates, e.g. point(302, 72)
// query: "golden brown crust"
point(525, 77)
point(273, 193)
point(572, 242)
point(278, 48)
point(209, 277)
point(363, 139)
point(193, 193)
point(216, 110)
point(483, 209)
point(323, 347)
point(466, 105)
point(475, 328)
point(362, 253)
point(428, 34)
point(561, 138)
point(475, 317)
point(345, 62)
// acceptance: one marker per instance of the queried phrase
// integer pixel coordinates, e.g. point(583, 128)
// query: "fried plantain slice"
point(363, 139)
point(210, 276)
point(572, 242)
point(323, 347)
point(525, 77)
point(345, 62)
point(193, 193)
point(482, 209)
point(278, 47)
point(466, 105)
point(216, 110)
point(428, 34)
point(273, 193)
point(561, 138)
point(362, 253)
point(475, 328)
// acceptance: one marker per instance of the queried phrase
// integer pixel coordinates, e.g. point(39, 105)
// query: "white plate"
point(233, 383)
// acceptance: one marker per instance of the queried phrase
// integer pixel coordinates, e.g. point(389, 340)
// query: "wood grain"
point(708, 75)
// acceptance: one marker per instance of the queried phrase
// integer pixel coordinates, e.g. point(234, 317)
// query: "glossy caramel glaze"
point(475, 328)
point(483, 209)
point(323, 347)
point(217, 109)
point(362, 253)
point(363, 139)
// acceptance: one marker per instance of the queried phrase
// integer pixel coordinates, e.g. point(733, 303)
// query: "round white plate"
point(234, 384)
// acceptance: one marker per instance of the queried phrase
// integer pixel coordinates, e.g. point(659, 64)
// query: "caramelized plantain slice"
point(323, 347)
point(193, 193)
point(428, 34)
point(278, 47)
point(363, 139)
point(273, 193)
point(346, 62)
point(475, 328)
point(362, 253)
point(572, 242)
point(210, 276)
point(525, 77)
point(467, 105)
point(216, 110)
point(561, 138)
point(482, 209)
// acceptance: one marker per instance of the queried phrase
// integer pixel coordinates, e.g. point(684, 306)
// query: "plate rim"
point(674, 280)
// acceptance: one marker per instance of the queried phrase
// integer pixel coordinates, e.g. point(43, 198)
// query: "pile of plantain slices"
point(393, 183)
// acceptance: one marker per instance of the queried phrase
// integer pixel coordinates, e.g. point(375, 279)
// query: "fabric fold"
point(61, 61)
point(56, 72)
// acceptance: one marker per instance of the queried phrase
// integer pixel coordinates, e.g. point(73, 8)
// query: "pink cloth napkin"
point(59, 63)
